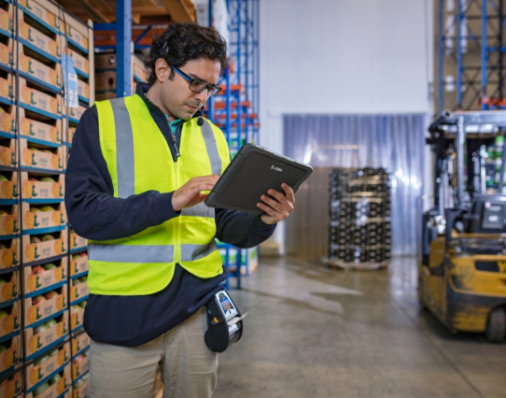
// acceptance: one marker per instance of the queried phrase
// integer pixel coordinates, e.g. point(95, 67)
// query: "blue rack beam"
point(123, 48)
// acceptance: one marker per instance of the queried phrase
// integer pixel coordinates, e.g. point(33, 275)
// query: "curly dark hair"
point(182, 42)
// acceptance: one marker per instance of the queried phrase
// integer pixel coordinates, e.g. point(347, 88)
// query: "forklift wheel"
point(496, 325)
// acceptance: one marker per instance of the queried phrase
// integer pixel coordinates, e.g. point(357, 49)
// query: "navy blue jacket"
point(96, 214)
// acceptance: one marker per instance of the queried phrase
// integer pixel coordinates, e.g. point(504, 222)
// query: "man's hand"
point(280, 207)
point(190, 195)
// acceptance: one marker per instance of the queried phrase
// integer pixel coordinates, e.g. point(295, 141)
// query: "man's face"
point(176, 96)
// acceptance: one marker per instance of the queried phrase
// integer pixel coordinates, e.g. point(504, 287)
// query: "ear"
point(162, 70)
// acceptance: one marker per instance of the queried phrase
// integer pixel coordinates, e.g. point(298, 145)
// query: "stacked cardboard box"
point(40, 256)
point(105, 75)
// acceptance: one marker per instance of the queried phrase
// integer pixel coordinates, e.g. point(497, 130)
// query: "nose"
point(202, 97)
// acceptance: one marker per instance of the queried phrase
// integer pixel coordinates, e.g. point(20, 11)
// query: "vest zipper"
point(177, 235)
point(175, 154)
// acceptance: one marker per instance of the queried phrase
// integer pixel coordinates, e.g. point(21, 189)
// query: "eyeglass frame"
point(191, 80)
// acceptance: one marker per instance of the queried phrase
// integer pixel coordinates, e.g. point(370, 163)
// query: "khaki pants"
point(189, 367)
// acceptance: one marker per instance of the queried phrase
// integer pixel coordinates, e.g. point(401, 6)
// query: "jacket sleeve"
point(93, 211)
point(241, 229)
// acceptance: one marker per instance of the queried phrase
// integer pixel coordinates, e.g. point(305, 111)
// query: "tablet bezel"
point(213, 200)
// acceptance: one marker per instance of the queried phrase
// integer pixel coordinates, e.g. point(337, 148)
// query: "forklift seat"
point(487, 215)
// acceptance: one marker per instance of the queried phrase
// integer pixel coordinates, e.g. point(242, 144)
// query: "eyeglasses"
point(197, 85)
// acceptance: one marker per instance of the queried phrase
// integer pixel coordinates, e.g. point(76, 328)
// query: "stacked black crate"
point(360, 227)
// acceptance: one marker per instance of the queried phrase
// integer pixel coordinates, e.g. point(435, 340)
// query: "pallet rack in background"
point(236, 109)
point(471, 48)
point(40, 331)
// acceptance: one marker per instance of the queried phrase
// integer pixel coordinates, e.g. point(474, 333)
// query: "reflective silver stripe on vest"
point(125, 164)
point(212, 147)
point(131, 254)
point(201, 210)
point(196, 252)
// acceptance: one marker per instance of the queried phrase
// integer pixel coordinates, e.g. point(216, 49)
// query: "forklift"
point(462, 272)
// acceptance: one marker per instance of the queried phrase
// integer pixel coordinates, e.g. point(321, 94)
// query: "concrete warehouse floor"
point(312, 332)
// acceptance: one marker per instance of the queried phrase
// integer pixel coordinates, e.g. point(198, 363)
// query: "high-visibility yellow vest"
point(139, 159)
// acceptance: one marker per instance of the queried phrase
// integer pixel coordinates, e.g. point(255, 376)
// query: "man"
point(136, 182)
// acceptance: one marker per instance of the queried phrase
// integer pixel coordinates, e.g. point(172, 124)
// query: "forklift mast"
point(464, 133)
point(459, 138)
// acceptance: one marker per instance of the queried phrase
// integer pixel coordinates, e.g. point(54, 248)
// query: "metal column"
point(123, 48)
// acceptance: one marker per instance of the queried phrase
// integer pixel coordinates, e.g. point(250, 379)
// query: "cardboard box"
point(72, 132)
point(10, 357)
point(80, 388)
point(14, 387)
point(7, 19)
point(37, 343)
point(76, 316)
point(83, 89)
point(76, 242)
point(41, 14)
point(78, 291)
point(8, 121)
point(9, 190)
point(76, 113)
point(57, 389)
point(7, 88)
point(35, 221)
point(79, 264)
point(35, 189)
point(45, 249)
point(8, 153)
point(106, 95)
point(40, 132)
point(80, 343)
point(80, 365)
point(35, 282)
point(53, 361)
point(9, 253)
point(105, 61)
point(41, 158)
point(81, 64)
point(56, 300)
point(49, 47)
point(50, 105)
point(12, 322)
point(105, 81)
point(10, 289)
point(9, 223)
point(139, 70)
point(77, 34)
point(7, 53)
point(42, 73)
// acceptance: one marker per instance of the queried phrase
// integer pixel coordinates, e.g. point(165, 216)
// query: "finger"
point(287, 205)
point(289, 192)
point(272, 203)
point(202, 180)
point(270, 211)
point(278, 195)
point(201, 187)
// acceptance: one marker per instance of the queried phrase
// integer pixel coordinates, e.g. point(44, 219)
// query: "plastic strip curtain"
point(394, 142)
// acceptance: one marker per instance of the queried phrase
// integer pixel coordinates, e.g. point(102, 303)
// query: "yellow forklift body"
point(462, 295)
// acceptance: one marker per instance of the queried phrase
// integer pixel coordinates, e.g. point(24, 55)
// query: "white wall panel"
point(342, 56)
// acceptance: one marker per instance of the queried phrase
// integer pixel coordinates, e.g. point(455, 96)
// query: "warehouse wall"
point(341, 56)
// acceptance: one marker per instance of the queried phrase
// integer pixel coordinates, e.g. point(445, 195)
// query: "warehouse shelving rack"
point(35, 140)
point(236, 110)
point(471, 47)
